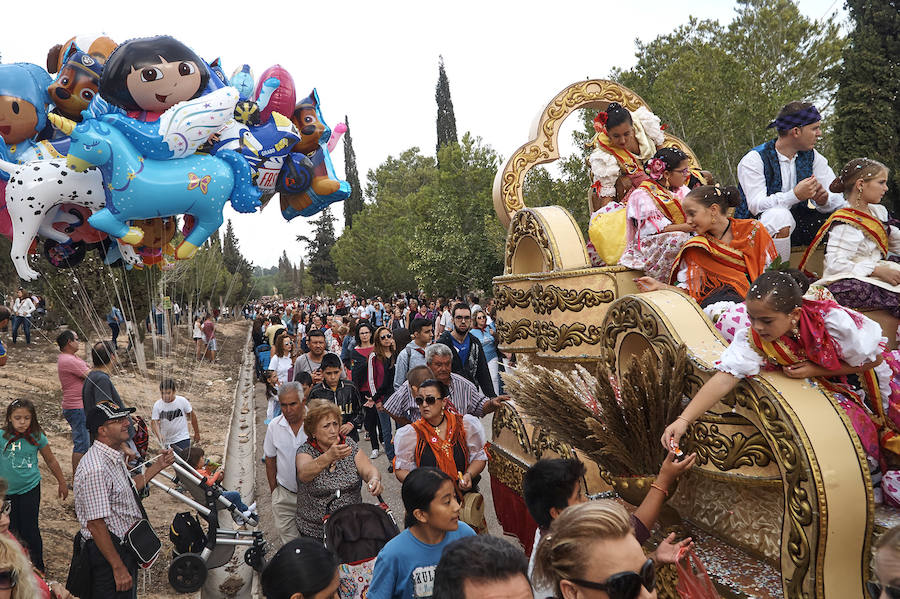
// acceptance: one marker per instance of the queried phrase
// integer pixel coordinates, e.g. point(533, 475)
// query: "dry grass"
point(618, 423)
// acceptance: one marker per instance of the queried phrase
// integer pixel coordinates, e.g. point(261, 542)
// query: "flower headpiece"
point(655, 168)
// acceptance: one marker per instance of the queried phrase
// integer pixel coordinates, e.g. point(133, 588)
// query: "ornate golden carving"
point(667, 582)
point(727, 452)
point(777, 427)
point(505, 468)
point(526, 224)
point(547, 335)
point(544, 300)
point(543, 441)
point(506, 417)
point(514, 174)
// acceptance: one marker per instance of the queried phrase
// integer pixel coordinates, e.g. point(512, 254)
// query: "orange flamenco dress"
point(710, 270)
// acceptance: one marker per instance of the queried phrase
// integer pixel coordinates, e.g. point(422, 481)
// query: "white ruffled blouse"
point(405, 443)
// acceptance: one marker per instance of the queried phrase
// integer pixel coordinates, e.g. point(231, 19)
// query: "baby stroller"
point(263, 354)
point(188, 570)
point(356, 533)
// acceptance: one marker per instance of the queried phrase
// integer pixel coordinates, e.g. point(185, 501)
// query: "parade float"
point(780, 501)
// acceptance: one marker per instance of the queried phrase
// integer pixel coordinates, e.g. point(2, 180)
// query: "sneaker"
point(374, 454)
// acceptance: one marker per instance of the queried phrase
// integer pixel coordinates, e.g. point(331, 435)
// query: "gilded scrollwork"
point(514, 175)
point(727, 452)
point(543, 441)
point(526, 224)
point(778, 434)
point(507, 418)
point(543, 300)
point(547, 335)
point(505, 468)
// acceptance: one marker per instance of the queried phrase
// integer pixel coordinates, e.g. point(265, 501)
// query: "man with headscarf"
point(784, 182)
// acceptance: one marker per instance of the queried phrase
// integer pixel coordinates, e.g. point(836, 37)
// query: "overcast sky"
point(377, 63)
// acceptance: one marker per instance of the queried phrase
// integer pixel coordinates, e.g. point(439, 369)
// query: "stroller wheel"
point(253, 557)
point(187, 573)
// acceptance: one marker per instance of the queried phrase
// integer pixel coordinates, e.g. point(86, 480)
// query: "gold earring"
point(794, 330)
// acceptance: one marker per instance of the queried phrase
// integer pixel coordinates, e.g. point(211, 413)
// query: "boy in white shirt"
point(169, 419)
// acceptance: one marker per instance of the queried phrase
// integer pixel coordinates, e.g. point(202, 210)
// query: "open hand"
point(649, 284)
point(668, 550)
point(338, 451)
point(671, 470)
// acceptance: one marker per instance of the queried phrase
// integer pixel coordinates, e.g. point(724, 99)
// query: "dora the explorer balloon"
point(147, 76)
point(23, 106)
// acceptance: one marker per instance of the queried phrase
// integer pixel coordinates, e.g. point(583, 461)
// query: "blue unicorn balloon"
point(138, 187)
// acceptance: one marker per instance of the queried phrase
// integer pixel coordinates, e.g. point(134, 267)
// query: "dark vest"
point(808, 221)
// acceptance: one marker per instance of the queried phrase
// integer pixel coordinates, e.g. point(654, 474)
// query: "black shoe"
point(391, 469)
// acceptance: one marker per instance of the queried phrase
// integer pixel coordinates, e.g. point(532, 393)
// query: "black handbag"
point(141, 540)
point(79, 580)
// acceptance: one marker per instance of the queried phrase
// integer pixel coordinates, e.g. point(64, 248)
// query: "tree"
point(446, 120)
point(321, 264)
point(374, 257)
point(459, 246)
point(718, 87)
point(868, 100)
point(354, 203)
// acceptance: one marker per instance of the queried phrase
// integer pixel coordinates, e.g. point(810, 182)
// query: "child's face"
point(769, 323)
point(306, 388)
point(160, 86)
point(18, 120)
point(332, 376)
point(21, 419)
point(874, 189)
point(167, 395)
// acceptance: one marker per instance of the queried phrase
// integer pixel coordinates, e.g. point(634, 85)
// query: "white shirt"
point(281, 366)
point(23, 306)
point(282, 444)
point(753, 182)
point(539, 593)
point(446, 320)
point(850, 253)
point(405, 443)
point(172, 418)
point(857, 346)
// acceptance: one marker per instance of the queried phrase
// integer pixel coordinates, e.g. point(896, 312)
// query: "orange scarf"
point(442, 448)
point(712, 264)
point(865, 222)
point(665, 200)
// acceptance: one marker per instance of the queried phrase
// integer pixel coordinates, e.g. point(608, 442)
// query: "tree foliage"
point(446, 120)
point(868, 101)
point(354, 203)
point(321, 265)
point(719, 86)
point(426, 226)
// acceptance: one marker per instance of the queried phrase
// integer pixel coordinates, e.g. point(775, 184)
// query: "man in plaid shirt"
point(106, 502)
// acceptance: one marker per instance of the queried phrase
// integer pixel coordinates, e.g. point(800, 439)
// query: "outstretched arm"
point(709, 394)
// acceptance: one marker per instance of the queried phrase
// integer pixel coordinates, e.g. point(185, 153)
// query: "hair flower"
point(656, 168)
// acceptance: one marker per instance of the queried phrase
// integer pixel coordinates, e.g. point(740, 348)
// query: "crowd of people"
point(414, 376)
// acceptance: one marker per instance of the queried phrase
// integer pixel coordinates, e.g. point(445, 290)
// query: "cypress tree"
point(868, 101)
point(354, 203)
point(446, 120)
point(321, 265)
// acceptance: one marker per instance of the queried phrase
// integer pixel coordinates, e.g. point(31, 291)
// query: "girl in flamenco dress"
point(656, 225)
point(862, 269)
point(839, 348)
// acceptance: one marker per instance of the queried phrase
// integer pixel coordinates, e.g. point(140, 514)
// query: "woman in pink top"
point(72, 371)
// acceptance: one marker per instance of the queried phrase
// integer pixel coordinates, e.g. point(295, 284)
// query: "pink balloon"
point(283, 99)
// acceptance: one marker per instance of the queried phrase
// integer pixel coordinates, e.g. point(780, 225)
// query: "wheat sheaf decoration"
point(616, 422)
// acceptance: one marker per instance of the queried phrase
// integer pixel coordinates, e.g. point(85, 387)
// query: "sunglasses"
point(427, 399)
point(624, 585)
point(388, 336)
point(8, 579)
point(875, 589)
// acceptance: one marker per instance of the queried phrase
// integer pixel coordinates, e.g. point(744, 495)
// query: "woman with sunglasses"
point(656, 227)
point(441, 438)
point(886, 567)
point(376, 378)
point(591, 552)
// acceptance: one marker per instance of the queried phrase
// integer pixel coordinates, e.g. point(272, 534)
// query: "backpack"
point(141, 436)
point(186, 534)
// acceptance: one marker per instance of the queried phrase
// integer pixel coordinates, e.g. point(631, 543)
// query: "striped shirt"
point(103, 489)
point(464, 396)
